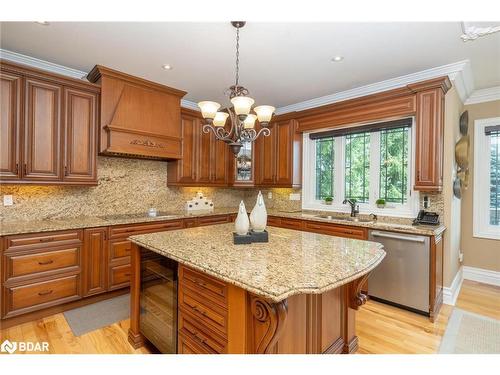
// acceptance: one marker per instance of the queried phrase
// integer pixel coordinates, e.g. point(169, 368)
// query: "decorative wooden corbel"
point(269, 319)
point(356, 297)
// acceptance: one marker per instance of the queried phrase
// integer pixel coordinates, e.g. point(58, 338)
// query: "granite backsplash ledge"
point(124, 186)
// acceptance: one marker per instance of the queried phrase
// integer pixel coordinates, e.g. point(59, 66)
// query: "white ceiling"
point(280, 63)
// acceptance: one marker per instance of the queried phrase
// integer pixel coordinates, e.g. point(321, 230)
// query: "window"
point(486, 220)
point(357, 166)
point(352, 163)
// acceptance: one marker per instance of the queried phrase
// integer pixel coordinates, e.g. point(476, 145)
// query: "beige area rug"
point(469, 333)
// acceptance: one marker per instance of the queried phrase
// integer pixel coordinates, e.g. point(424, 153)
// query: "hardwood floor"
point(385, 329)
point(381, 328)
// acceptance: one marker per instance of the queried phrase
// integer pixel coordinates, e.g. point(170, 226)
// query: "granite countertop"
point(10, 227)
point(292, 262)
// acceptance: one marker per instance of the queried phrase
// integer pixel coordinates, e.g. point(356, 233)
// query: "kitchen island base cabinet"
point(218, 317)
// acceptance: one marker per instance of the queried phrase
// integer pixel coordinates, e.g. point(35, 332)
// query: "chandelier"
point(242, 128)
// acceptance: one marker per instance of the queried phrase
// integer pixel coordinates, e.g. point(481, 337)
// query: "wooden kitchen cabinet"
point(10, 122)
point(48, 127)
point(80, 139)
point(42, 131)
point(94, 261)
point(278, 157)
point(205, 160)
point(429, 140)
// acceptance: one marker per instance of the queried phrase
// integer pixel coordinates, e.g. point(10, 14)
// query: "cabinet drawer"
point(336, 230)
point(188, 345)
point(30, 241)
point(291, 223)
point(206, 313)
point(212, 220)
point(129, 230)
point(119, 276)
point(120, 249)
point(43, 294)
point(34, 264)
point(191, 327)
point(205, 285)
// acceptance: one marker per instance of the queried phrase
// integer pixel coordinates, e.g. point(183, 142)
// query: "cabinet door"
point(204, 173)
point(42, 131)
point(185, 171)
point(220, 163)
point(285, 132)
point(429, 140)
point(94, 261)
point(80, 143)
point(10, 120)
point(265, 150)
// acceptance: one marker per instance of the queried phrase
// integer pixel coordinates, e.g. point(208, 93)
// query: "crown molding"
point(484, 95)
point(459, 72)
point(41, 64)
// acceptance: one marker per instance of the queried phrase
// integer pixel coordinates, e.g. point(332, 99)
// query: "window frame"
point(481, 194)
point(309, 201)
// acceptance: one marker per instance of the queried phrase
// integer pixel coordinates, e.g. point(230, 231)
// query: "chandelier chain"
point(237, 55)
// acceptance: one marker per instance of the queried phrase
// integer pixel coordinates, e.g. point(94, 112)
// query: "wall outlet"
point(294, 196)
point(8, 200)
point(270, 195)
point(461, 257)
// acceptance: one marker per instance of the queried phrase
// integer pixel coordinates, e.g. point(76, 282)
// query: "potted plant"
point(328, 200)
point(380, 203)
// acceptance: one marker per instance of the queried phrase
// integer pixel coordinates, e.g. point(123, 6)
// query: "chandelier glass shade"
point(242, 120)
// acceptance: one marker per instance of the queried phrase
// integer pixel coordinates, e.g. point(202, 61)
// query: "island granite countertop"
point(292, 262)
point(11, 227)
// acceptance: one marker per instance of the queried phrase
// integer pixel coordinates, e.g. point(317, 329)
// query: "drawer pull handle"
point(46, 239)
point(46, 293)
point(47, 262)
point(198, 282)
point(197, 309)
point(127, 275)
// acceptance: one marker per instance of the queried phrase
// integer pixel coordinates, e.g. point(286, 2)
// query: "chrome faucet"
point(354, 206)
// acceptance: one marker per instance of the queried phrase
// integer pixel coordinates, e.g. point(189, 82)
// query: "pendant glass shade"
point(220, 118)
point(208, 109)
point(264, 113)
point(249, 122)
point(242, 104)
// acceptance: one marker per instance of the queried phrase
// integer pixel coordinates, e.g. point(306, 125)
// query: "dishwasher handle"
point(398, 237)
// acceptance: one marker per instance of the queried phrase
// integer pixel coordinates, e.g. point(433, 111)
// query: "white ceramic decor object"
point(242, 224)
point(258, 216)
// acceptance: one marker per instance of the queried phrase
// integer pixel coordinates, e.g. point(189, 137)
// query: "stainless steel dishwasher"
point(402, 278)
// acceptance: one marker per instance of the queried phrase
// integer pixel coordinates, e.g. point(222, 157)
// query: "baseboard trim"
point(450, 294)
point(481, 275)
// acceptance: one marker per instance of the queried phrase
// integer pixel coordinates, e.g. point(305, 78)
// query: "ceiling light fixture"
point(338, 58)
point(167, 66)
point(44, 23)
point(242, 121)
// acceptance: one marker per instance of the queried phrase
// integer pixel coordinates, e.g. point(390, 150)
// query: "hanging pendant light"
point(241, 117)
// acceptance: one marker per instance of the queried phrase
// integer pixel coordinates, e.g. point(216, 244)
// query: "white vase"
point(242, 224)
point(258, 216)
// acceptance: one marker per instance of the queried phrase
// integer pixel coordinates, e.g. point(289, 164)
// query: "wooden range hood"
point(139, 118)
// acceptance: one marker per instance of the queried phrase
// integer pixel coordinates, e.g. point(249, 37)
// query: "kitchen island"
point(298, 293)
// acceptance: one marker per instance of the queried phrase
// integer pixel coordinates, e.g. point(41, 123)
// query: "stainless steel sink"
point(344, 218)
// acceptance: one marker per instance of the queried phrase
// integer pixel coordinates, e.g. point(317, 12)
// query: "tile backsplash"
point(134, 186)
point(124, 186)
